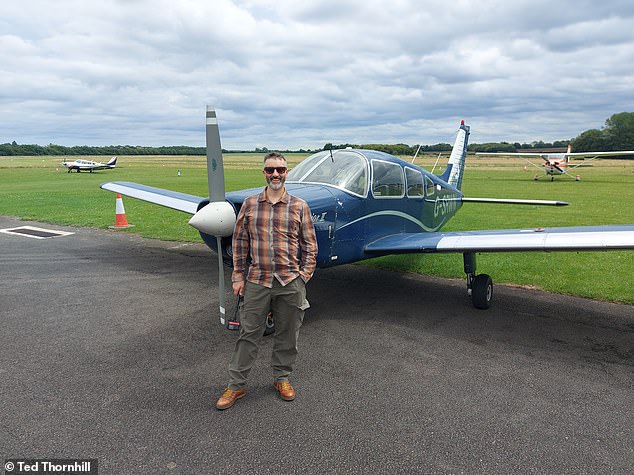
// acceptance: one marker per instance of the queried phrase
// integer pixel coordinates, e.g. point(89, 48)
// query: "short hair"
point(274, 155)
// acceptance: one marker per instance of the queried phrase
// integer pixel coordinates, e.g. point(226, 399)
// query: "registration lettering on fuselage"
point(446, 205)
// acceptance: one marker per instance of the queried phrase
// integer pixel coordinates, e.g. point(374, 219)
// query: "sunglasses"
point(270, 170)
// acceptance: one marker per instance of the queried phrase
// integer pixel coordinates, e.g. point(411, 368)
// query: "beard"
point(276, 185)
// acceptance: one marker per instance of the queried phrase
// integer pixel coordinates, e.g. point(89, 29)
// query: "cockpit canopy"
point(345, 169)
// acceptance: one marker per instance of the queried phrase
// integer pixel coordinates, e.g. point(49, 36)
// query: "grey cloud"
point(300, 74)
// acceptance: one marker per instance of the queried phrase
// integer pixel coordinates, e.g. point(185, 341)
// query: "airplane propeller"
point(217, 218)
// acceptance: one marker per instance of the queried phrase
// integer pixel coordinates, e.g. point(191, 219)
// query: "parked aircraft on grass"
point(559, 163)
point(366, 203)
point(88, 165)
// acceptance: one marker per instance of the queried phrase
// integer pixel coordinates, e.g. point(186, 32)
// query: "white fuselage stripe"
point(399, 214)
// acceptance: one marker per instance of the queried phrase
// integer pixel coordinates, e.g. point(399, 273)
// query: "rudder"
point(455, 166)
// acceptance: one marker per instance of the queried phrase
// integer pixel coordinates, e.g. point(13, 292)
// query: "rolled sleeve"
point(308, 244)
point(240, 247)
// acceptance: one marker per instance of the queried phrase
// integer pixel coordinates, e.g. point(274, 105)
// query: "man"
point(275, 231)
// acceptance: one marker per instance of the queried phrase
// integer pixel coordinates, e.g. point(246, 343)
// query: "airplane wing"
point(170, 199)
point(514, 154)
point(579, 238)
point(523, 156)
point(615, 153)
point(545, 156)
point(592, 155)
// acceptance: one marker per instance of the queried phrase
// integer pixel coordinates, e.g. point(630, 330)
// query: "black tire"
point(482, 291)
point(269, 326)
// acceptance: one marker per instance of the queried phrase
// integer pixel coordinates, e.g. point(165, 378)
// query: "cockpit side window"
point(430, 187)
point(387, 180)
point(414, 178)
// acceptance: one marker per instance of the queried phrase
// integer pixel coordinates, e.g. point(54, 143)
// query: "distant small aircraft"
point(366, 203)
point(88, 165)
point(558, 163)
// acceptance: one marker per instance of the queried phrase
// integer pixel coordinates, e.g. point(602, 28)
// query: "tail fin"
point(455, 166)
point(567, 154)
point(112, 163)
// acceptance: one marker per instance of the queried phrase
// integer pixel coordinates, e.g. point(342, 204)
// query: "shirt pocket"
point(290, 229)
point(294, 223)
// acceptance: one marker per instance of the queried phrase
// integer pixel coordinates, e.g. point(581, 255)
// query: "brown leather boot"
point(229, 397)
point(285, 390)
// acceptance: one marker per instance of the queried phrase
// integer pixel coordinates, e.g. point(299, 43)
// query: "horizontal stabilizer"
point(170, 199)
point(580, 238)
point(511, 201)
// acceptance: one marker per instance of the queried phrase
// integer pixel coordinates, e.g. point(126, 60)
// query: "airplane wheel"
point(482, 291)
point(269, 327)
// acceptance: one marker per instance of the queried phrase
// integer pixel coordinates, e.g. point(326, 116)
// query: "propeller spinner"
point(218, 217)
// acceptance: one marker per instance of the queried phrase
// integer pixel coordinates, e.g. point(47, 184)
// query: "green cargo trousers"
point(287, 304)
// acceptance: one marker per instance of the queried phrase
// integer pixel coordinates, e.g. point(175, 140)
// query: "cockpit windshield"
point(343, 169)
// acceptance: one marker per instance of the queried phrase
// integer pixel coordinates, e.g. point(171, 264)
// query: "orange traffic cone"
point(120, 220)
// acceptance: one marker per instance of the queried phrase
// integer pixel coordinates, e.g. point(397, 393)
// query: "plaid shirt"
point(279, 238)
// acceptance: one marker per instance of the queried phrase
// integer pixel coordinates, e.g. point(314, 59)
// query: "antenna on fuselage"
point(438, 158)
point(417, 150)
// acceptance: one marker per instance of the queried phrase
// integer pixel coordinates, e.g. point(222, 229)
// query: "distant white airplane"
point(83, 165)
point(559, 163)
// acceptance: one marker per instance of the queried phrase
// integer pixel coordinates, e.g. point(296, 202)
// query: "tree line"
point(8, 149)
point(15, 149)
point(617, 134)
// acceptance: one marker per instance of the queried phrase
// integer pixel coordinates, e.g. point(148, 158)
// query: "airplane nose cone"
point(217, 219)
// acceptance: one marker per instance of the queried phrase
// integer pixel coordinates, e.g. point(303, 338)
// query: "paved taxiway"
point(110, 348)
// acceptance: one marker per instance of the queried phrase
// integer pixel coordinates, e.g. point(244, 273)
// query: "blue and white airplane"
point(89, 165)
point(366, 203)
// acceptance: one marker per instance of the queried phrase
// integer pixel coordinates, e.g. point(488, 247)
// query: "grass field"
point(38, 188)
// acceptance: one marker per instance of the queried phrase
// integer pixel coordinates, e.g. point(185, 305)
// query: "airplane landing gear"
point(482, 291)
point(479, 287)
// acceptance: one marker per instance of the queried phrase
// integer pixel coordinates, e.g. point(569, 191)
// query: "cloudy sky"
point(291, 74)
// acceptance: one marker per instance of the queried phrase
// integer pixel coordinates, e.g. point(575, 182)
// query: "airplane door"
point(347, 238)
point(430, 218)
